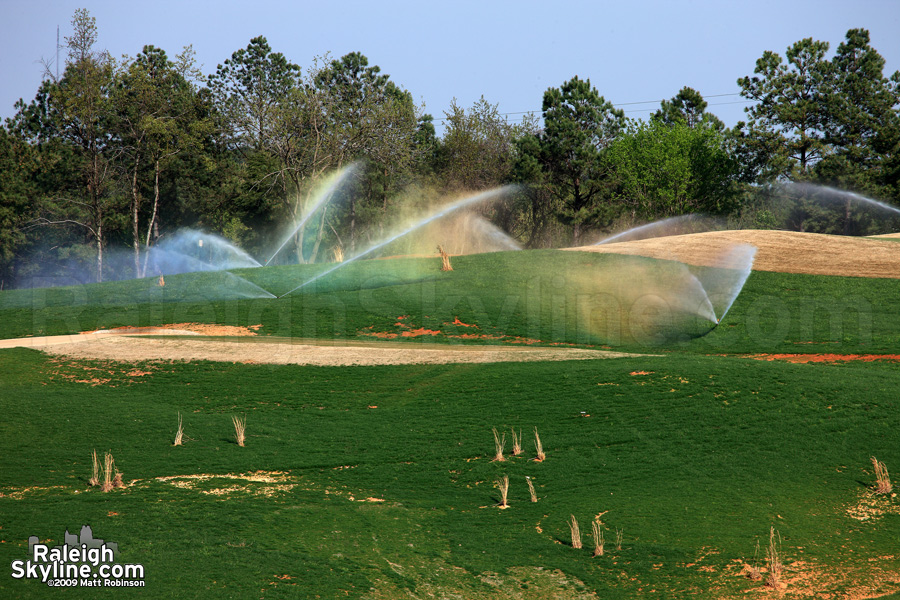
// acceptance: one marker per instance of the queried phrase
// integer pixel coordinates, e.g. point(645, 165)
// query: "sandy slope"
point(129, 347)
point(783, 251)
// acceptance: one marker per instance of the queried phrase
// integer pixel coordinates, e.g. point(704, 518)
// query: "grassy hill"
point(378, 482)
point(548, 296)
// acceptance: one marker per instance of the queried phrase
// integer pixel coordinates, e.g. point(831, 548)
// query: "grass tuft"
point(598, 537)
point(882, 478)
point(539, 448)
point(775, 566)
point(517, 442)
point(531, 491)
point(619, 535)
point(503, 485)
point(240, 424)
point(108, 465)
point(179, 435)
point(575, 532)
point(499, 444)
point(445, 259)
point(95, 471)
point(753, 571)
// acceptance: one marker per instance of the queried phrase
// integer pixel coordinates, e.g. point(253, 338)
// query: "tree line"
point(115, 154)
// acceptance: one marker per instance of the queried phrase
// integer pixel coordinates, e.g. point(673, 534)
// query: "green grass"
point(550, 296)
point(694, 461)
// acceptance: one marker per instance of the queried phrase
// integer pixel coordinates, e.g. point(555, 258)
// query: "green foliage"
point(159, 115)
point(664, 170)
point(17, 166)
point(74, 111)
point(689, 108)
point(115, 154)
point(247, 90)
point(478, 149)
point(579, 124)
point(862, 118)
point(786, 124)
point(832, 121)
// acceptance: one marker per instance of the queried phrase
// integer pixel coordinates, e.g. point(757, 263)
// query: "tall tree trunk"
point(315, 251)
point(94, 191)
point(298, 236)
point(352, 226)
point(135, 207)
point(152, 227)
point(99, 236)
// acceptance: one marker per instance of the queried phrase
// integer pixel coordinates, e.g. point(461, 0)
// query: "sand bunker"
point(782, 251)
point(133, 348)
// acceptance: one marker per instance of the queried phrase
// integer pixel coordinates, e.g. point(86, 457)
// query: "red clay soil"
point(825, 358)
point(199, 328)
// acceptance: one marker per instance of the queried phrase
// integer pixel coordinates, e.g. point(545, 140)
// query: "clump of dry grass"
point(575, 532)
point(95, 471)
point(499, 444)
point(108, 465)
point(775, 566)
point(240, 425)
point(179, 435)
point(619, 535)
point(517, 442)
point(503, 485)
point(882, 478)
point(538, 447)
point(338, 254)
point(531, 491)
point(105, 472)
point(598, 537)
point(752, 571)
point(445, 259)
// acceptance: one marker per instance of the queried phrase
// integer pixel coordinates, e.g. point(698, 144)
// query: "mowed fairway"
point(378, 481)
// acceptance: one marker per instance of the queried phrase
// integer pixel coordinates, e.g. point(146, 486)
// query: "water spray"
point(725, 280)
point(327, 191)
point(692, 223)
point(483, 196)
point(813, 189)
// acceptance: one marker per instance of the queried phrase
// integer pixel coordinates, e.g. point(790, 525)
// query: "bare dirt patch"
point(825, 358)
point(781, 251)
point(871, 507)
point(182, 329)
point(874, 578)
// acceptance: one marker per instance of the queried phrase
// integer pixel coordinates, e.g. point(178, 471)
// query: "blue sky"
point(509, 52)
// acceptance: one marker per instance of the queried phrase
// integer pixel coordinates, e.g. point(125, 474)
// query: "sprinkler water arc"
point(837, 194)
point(483, 196)
point(682, 224)
point(725, 280)
point(333, 183)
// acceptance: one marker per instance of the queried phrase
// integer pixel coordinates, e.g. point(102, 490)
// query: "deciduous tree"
point(579, 124)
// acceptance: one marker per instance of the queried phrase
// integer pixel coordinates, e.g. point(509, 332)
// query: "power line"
point(619, 104)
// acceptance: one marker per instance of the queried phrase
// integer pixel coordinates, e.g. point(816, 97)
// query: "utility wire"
point(527, 112)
